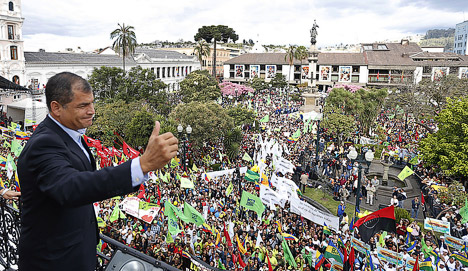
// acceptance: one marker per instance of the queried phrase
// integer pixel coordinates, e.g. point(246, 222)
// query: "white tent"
point(23, 110)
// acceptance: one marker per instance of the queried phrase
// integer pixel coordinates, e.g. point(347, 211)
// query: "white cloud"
point(54, 24)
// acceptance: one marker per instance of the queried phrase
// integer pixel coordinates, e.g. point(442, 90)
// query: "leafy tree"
point(215, 33)
point(279, 81)
point(337, 123)
point(199, 86)
point(233, 89)
point(241, 115)
point(112, 117)
point(202, 49)
point(139, 129)
point(209, 121)
point(454, 195)
point(448, 147)
point(258, 83)
point(124, 41)
point(231, 141)
point(106, 82)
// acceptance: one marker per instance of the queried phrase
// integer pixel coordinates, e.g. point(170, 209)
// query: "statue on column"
point(313, 33)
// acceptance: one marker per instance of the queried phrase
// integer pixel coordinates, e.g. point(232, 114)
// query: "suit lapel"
point(72, 145)
point(91, 157)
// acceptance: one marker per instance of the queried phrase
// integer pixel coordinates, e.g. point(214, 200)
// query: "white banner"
point(313, 214)
point(131, 205)
point(270, 197)
point(365, 141)
point(284, 166)
point(215, 174)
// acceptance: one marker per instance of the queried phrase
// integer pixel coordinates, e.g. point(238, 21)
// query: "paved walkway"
point(384, 196)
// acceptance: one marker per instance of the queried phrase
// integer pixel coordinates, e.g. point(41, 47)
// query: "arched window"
point(16, 79)
point(11, 6)
point(14, 52)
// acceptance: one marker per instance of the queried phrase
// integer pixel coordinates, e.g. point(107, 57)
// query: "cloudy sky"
point(55, 25)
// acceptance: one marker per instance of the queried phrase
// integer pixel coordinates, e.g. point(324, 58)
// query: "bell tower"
point(11, 42)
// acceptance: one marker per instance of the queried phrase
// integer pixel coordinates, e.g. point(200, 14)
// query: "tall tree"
point(202, 49)
point(301, 54)
point(215, 33)
point(289, 57)
point(199, 86)
point(124, 41)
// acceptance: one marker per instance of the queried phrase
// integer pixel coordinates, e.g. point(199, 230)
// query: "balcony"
point(394, 79)
point(122, 256)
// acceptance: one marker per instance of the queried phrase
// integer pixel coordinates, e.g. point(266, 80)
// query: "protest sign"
point(437, 225)
point(389, 256)
point(313, 214)
point(359, 245)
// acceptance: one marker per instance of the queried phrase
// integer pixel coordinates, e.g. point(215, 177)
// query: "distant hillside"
point(439, 37)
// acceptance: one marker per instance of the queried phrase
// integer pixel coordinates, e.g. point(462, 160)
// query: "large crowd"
point(234, 238)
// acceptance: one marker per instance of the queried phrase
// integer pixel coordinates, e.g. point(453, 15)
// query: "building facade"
point(461, 37)
point(378, 64)
point(11, 41)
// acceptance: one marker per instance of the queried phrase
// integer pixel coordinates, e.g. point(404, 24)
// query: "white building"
point(461, 37)
point(33, 69)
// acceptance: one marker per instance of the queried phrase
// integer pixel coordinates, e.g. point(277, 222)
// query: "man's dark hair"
point(59, 87)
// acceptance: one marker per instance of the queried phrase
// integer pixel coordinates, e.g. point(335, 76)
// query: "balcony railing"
point(10, 224)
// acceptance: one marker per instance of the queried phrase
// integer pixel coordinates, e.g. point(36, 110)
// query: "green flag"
point(194, 216)
point(288, 257)
point(186, 183)
point(306, 126)
point(6, 144)
point(115, 213)
point(28, 121)
point(171, 219)
point(253, 203)
point(266, 118)
point(10, 161)
point(406, 172)
point(229, 189)
point(307, 256)
point(460, 257)
point(100, 222)
point(221, 265)
point(297, 134)
point(464, 212)
point(174, 163)
point(169, 238)
point(268, 101)
point(178, 213)
point(246, 157)
point(251, 176)
point(16, 147)
point(333, 253)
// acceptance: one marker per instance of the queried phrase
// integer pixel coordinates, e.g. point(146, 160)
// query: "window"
point(14, 52)
point(34, 83)
point(16, 79)
point(382, 47)
point(11, 32)
point(11, 6)
point(367, 47)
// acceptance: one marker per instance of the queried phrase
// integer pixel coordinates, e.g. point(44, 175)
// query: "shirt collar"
point(74, 134)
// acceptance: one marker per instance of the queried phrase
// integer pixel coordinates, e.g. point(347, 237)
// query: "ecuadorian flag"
point(21, 135)
point(288, 236)
point(3, 161)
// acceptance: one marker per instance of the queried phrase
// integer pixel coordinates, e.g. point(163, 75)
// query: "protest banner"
point(215, 174)
point(269, 197)
point(336, 266)
point(359, 245)
point(437, 225)
point(131, 205)
point(454, 242)
point(147, 211)
point(313, 214)
point(389, 256)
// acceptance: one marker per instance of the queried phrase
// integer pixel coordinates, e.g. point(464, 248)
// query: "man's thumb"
point(157, 126)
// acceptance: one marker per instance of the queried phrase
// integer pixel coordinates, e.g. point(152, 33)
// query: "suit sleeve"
point(49, 159)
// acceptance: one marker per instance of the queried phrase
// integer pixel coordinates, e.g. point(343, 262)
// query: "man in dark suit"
point(59, 181)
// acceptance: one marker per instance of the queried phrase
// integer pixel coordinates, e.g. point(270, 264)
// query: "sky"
point(55, 25)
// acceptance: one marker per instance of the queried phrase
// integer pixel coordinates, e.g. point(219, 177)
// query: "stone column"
point(313, 58)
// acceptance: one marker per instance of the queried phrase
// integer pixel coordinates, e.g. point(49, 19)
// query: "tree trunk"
point(214, 58)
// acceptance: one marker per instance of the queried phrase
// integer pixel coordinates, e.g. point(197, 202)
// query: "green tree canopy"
point(337, 123)
point(209, 121)
point(241, 115)
point(106, 82)
point(199, 86)
point(448, 147)
point(215, 33)
point(258, 83)
point(279, 81)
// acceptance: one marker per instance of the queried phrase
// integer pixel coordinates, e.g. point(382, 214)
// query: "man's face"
point(78, 113)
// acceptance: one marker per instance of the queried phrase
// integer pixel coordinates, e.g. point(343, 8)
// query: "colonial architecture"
point(377, 64)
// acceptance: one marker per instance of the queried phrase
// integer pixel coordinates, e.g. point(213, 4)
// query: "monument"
point(313, 54)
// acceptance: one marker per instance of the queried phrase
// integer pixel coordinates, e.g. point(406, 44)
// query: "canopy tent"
point(312, 115)
point(23, 110)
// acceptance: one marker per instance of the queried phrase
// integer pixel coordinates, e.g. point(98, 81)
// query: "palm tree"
point(202, 49)
point(124, 41)
point(290, 53)
point(301, 54)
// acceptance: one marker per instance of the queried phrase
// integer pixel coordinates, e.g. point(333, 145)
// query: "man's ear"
point(55, 108)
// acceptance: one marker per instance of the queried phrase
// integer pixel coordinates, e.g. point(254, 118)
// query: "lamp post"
point(270, 89)
point(184, 139)
point(353, 156)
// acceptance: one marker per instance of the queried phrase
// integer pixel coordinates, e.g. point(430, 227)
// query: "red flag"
point(422, 198)
point(399, 137)
point(226, 235)
point(241, 262)
point(416, 265)
point(89, 141)
point(142, 191)
point(129, 151)
point(383, 219)
point(269, 264)
point(348, 264)
point(159, 196)
point(416, 136)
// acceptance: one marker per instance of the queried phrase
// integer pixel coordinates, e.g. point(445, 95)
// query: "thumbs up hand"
point(160, 150)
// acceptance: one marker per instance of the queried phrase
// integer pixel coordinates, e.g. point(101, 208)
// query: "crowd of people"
point(234, 238)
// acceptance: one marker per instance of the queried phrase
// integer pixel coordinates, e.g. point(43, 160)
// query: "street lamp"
point(184, 141)
point(270, 90)
point(353, 156)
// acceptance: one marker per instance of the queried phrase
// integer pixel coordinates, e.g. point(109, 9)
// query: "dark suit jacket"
point(59, 185)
